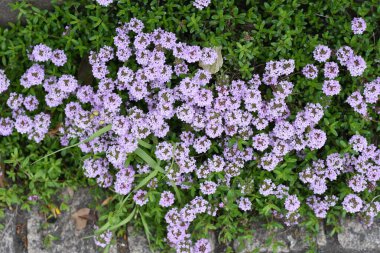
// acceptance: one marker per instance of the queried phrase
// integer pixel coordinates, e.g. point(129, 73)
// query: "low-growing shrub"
point(195, 116)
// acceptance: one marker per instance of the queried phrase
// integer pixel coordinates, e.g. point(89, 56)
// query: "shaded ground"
point(7, 15)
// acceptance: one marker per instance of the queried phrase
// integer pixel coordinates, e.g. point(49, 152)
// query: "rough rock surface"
point(7, 236)
point(137, 241)
point(68, 238)
point(26, 232)
point(357, 237)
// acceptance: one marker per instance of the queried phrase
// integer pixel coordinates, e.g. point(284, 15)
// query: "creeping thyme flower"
point(4, 81)
point(358, 143)
point(352, 203)
point(202, 246)
point(104, 3)
point(316, 139)
point(167, 199)
point(331, 70)
point(6, 126)
point(33, 76)
point(208, 187)
point(321, 53)
point(267, 188)
point(310, 71)
point(260, 141)
point(372, 91)
point(244, 204)
point(344, 54)
point(357, 183)
point(200, 4)
point(58, 57)
point(103, 239)
point(41, 53)
point(358, 25)
point(331, 87)
point(202, 144)
point(141, 197)
point(164, 151)
point(23, 124)
point(149, 86)
point(292, 203)
point(31, 103)
point(356, 65)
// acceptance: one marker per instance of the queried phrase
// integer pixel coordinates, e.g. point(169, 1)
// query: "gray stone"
point(8, 234)
point(137, 241)
point(356, 237)
point(212, 240)
point(259, 242)
point(321, 237)
point(68, 238)
point(13, 236)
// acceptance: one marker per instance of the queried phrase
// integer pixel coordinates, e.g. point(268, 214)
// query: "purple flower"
point(352, 203)
point(208, 187)
point(357, 183)
point(6, 126)
point(356, 65)
point(331, 87)
point(260, 141)
point(244, 204)
point(202, 246)
point(310, 71)
point(316, 139)
point(344, 54)
point(267, 187)
point(4, 81)
point(104, 3)
point(202, 144)
point(167, 199)
point(31, 103)
point(103, 239)
point(58, 57)
point(41, 53)
point(358, 143)
point(33, 76)
point(321, 53)
point(23, 124)
point(164, 151)
point(358, 25)
point(141, 197)
point(67, 83)
point(292, 203)
point(331, 70)
point(200, 4)
point(209, 55)
point(372, 91)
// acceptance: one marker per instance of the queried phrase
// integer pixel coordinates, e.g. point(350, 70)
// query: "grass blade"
point(149, 160)
point(96, 134)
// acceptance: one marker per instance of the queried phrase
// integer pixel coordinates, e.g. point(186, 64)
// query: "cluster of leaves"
point(249, 32)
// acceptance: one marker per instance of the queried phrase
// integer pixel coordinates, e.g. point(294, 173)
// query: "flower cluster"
point(363, 170)
point(104, 3)
point(359, 101)
point(179, 221)
point(103, 239)
point(158, 88)
point(358, 25)
point(4, 81)
point(200, 4)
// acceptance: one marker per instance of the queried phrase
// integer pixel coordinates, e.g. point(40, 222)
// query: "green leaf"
point(96, 134)
point(149, 160)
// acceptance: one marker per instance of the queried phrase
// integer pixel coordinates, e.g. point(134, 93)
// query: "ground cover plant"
point(194, 116)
